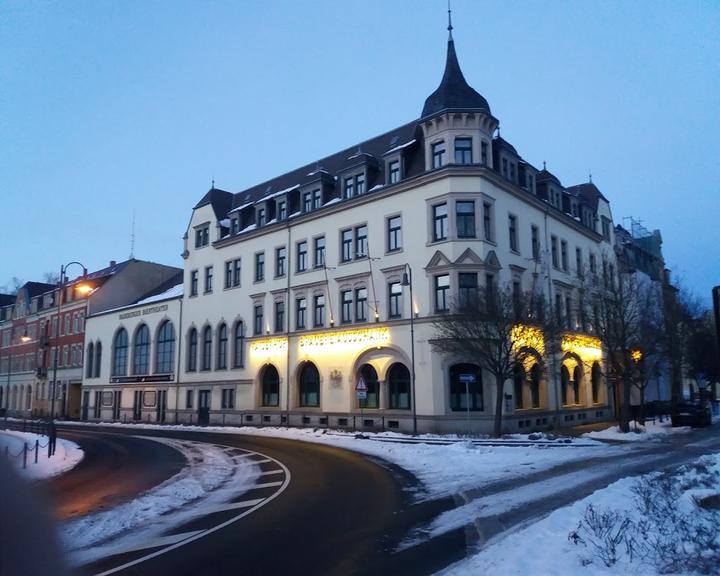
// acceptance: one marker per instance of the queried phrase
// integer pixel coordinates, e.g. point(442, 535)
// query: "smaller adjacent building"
point(137, 379)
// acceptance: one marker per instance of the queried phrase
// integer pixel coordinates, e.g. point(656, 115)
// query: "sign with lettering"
point(144, 311)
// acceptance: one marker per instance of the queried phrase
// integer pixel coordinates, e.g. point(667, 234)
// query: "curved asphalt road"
point(342, 513)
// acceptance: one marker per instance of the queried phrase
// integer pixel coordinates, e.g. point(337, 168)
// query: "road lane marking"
point(271, 472)
point(162, 541)
point(234, 506)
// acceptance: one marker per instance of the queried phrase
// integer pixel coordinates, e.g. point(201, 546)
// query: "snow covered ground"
point(547, 548)
point(67, 454)
point(650, 432)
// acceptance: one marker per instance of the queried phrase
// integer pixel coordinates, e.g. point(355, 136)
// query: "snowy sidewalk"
point(12, 445)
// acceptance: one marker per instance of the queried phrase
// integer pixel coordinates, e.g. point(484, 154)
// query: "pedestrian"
point(52, 436)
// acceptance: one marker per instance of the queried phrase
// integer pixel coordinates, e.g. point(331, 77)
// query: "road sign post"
point(361, 391)
point(468, 379)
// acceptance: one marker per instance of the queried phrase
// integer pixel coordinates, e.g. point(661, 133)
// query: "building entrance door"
point(161, 405)
point(85, 402)
point(117, 396)
point(72, 401)
point(137, 405)
point(204, 407)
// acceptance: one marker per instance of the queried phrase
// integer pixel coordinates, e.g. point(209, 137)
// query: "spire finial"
point(544, 165)
point(212, 183)
point(590, 177)
point(450, 26)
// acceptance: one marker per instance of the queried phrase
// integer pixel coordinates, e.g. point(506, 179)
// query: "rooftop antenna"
point(450, 26)
point(132, 237)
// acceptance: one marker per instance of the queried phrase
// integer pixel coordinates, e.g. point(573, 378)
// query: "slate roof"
point(220, 200)
point(544, 175)
point(588, 193)
point(454, 93)
point(333, 164)
point(498, 140)
point(7, 299)
point(37, 288)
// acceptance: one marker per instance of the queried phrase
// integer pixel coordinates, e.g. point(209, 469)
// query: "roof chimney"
point(112, 263)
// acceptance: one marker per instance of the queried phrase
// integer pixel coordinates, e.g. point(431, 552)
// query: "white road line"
point(263, 461)
point(204, 533)
point(234, 506)
point(164, 541)
point(271, 472)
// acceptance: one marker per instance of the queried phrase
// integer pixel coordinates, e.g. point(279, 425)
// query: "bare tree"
point(13, 286)
point(481, 328)
point(51, 278)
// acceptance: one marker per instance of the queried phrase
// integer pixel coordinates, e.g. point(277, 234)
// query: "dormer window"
point(282, 210)
point(438, 154)
point(360, 184)
point(512, 171)
point(394, 172)
point(354, 185)
point(463, 151)
point(505, 167)
point(307, 201)
point(260, 217)
point(317, 199)
point(349, 189)
point(234, 225)
point(202, 236)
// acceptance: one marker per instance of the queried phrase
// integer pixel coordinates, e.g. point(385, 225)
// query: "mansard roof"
point(545, 175)
point(588, 193)
point(220, 200)
point(454, 93)
point(334, 164)
point(7, 299)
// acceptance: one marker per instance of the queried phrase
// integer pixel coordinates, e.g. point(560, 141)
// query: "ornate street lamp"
point(407, 281)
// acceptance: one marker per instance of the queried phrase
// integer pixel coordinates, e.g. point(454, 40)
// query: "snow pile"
point(67, 454)
point(647, 526)
point(214, 476)
point(650, 432)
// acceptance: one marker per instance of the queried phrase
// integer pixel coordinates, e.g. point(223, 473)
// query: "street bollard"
point(24, 455)
point(49, 448)
point(37, 447)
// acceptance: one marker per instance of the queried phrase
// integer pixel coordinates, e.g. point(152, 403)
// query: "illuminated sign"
point(268, 347)
point(528, 337)
point(346, 340)
point(588, 348)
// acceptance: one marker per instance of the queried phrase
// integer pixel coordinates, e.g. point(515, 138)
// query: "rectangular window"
point(317, 199)
point(208, 279)
point(558, 309)
point(442, 288)
point(347, 240)
point(505, 167)
point(279, 316)
point(564, 255)
point(438, 154)
point(319, 251)
point(300, 312)
point(319, 311)
point(360, 184)
point(490, 291)
point(236, 272)
point(568, 312)
point(483, 153)
point(260, 217)
point(606, 228)
point(259, 266)
point(258, 319)
point(578, 262)
point(202, 236)
point(282, 210)
point(361, 304)
point(512, 171)
point(394, 172)
point(234, 225)
point(463, 151)
point(188, 398)
point(361, 246)
point(349, 189)
point(512, 230)
point(228, 274)
point(394, 300)
point(394, 233)
point(488, 221)
point(193, 284)
point(465, 219)
point(280, 258)
point(228, 398)
point(554, 250)
point(302, 256)
point(346, 303)
point(592, 264)
point(535, 235)
point(467, 288)
point(307, 201)
point(232, 273)
point(440, 222)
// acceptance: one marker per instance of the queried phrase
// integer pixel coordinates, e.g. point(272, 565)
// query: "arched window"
point(98, 359)
point(564, 383)
point(398, 380)
point(141, 351)
point(222, 347)
point(90, 359)
point(465, 387)
point(518, 385)
point(28, 397)
point(192, 350)
point(369, 375)
point(535, 385)
point(577, 379)
point(207, 348)
point(238, 347)
point(120, 353)
point(309, 385)
point(165, 349)
point(270, 386)
point(595, 377)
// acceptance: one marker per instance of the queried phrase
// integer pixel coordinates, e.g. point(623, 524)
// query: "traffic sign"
point(467, 378)
point(362, 394)
point(361, 384)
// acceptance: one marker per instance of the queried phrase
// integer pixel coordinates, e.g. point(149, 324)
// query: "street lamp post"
point(407, 281)
point(61, 287)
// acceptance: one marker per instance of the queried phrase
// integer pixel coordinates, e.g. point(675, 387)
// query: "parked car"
point(692, 414)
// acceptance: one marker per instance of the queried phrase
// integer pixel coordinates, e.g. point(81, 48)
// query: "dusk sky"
point(114, 108)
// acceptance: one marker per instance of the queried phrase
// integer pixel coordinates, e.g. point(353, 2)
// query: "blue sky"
point(114, 108)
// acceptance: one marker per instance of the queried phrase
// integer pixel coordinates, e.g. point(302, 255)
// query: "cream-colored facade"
point(297, 292)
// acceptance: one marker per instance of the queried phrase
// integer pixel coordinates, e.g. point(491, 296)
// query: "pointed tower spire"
point(454, 93)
